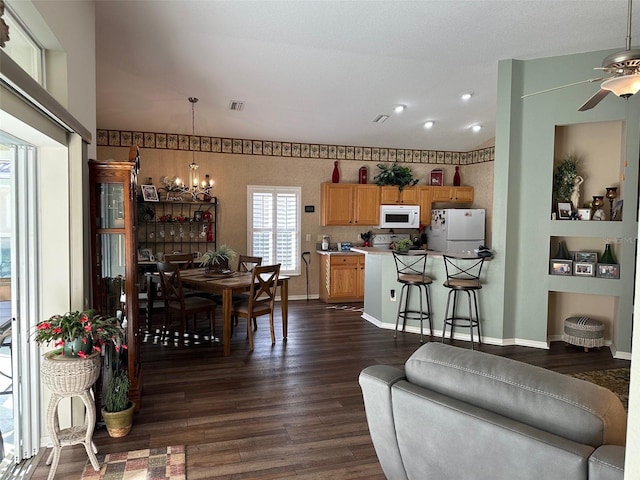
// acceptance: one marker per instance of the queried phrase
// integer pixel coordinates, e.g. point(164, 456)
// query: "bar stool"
point(411, 272)
point(463, 275)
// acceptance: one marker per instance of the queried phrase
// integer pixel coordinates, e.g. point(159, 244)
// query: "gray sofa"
point(460, 414)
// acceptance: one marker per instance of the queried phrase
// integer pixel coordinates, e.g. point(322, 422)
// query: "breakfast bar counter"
point(382, 292)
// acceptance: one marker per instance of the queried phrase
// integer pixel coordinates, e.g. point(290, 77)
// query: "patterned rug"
point(616, 380)
point(167, 463)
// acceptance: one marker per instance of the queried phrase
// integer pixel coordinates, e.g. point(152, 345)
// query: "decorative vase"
point(119, 423)
point(562, 253)
point(362, 175)
point(66, 375)
point(72, 348)
point(335, 177)
point(607, 256)
point(456, 177)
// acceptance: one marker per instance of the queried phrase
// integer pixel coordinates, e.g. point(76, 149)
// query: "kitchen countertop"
point(432, 253)
point(339, 252)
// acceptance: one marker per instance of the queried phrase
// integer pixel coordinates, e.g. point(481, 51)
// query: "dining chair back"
point(261, 299)
point(247, 262)
point(183, 260)
point(176, 302)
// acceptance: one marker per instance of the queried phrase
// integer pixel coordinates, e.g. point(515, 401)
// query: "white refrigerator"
point(456, 230)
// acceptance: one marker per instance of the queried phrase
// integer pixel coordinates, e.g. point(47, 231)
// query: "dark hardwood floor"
point(289, 411)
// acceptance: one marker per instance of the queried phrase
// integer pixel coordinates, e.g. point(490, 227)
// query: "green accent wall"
point(524, 159)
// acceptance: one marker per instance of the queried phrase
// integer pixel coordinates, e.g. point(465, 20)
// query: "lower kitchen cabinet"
point(341, 278)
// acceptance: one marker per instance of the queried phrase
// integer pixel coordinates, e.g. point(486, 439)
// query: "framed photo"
point(584, 214)
point(149, 193)
point(617, 211)
point(584, 269)
point(197, 215)
point(585, 257)
point(564, 210)
point(608, 270)
point(436, 177)
point(560, 267)
point(145, 255)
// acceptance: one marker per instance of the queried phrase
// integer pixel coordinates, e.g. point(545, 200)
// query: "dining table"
point(227, 285)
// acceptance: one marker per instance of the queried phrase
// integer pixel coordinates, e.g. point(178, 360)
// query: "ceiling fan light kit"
point(624, 86)
point(623, 66)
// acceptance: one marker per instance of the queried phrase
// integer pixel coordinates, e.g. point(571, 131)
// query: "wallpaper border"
point(175, 141)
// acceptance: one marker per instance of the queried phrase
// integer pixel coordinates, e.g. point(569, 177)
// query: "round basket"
point(69, 375)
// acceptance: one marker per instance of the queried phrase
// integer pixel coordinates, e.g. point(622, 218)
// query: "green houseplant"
point(564, 178)
point(79, 333)
point(402, 245)
point(117, 410)
point(394, 174)
point(219, 259)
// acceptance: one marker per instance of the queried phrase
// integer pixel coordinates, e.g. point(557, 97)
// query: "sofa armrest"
point(607, 463)
point(376, 382)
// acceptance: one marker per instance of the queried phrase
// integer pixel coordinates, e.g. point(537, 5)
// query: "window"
point(23, 48)
point(273, 217)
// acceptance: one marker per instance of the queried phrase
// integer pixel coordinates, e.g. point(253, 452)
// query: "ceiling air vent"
point(236, 105)
point(380, 118)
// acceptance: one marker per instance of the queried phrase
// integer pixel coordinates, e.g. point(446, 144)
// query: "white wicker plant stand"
point(71, 377)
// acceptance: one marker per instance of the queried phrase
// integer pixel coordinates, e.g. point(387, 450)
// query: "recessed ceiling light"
point(428, 124)
point(380, 118)
point(399, 108)
point(466, 96)
point(476, 128)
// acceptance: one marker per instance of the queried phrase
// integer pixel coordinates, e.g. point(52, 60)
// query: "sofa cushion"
point(566, 406)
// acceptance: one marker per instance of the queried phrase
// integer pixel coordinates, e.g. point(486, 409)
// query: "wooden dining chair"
point(247, 262)
point(184, 261)
point(176, 302)
point(261, 299)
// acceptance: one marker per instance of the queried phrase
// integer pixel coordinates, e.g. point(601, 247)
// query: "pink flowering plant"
point(90, 329)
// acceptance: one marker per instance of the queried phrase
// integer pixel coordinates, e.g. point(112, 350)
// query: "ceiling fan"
point(624, 68)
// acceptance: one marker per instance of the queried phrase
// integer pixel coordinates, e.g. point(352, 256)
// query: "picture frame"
point(608, 270)
point(584, 269)
point(584, 214)
point(149, 193)
point(617, 211)
point(561, 267)
point(585, 257)
point(564, 210)
point(145, 255)
point(436, 177)
point(197, 215)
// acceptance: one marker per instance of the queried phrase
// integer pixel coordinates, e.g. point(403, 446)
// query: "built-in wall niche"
point(585, 244)
point(599, 147)
point(564, 305)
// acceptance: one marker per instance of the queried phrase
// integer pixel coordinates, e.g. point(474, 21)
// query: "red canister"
point(362, 176)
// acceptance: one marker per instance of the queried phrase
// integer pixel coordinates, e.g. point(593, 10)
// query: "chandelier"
point(199, 191)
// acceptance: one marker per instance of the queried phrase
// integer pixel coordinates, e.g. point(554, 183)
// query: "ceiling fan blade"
point(594, 100)
point(590, 80)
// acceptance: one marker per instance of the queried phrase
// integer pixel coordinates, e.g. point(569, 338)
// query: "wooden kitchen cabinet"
point(341, 278)
point(393, 195)
point(452, 194)
point(424, 200)
point(349, 204)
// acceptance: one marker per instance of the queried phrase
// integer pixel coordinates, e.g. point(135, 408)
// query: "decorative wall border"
point(174, 141)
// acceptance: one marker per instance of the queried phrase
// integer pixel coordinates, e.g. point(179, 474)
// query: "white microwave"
point(399, 216)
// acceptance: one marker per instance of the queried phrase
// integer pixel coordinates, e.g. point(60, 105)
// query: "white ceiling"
point(320, 71)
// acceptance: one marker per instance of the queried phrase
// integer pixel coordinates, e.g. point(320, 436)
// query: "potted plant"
point(564, 178)
point(394, 174)
point(77, 334)
point(403, 245)
point(217, 260)
point(117, 410)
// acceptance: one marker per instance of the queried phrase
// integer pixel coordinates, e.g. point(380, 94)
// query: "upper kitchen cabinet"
point(452, 194)
point(349, 204)
point(390, 195)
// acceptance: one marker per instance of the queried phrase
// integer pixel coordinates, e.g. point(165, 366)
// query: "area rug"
point(616, 380)
point(166, 463)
